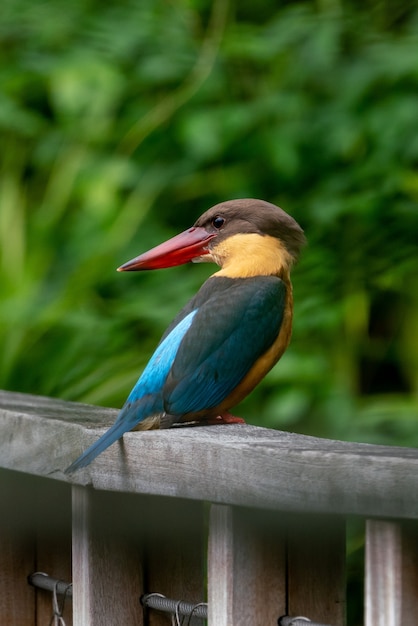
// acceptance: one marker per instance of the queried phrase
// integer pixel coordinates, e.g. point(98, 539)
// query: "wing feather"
point(230, 330)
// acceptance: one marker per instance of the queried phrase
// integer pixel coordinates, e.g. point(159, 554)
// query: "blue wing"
point(232, 328)
point(155, 373)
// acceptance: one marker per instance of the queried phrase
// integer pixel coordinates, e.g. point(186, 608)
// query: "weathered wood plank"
point(107, 572)
point(53, 544)
point(265, 468)
point(316, 568)
point(17, 554)
point(391, 573)
point(174, 556)
point(220, 566)
point(383, 581)
point(246, 568)
point(409, 572)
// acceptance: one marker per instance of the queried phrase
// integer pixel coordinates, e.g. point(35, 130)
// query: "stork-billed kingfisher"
point(226, 339)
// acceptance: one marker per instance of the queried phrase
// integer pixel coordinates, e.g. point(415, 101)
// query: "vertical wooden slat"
point(221, 566)
point(175, 554)
point(383, 573)
point(17, 550)
point(107, 574)
point(391, 580)
point(246, 567)
point(316, 568)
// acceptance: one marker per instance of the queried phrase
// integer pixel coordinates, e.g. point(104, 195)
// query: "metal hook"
point(57, 610)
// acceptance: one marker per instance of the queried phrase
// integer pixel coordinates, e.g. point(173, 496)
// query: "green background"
point(121, 122)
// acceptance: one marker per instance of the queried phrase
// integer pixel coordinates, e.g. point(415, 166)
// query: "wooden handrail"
point(274, 528)
point(239, 465)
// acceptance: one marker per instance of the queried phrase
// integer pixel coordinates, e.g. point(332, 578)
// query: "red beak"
point(180, 249)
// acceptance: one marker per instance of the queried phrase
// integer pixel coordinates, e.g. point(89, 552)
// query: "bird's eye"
point(218, 222)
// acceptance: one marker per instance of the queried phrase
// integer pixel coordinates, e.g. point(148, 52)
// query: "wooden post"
point(246, 567)
point(107, 574)
point(391, 573)
point(316, 568)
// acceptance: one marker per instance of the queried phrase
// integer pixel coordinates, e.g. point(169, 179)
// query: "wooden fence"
point(248, 519)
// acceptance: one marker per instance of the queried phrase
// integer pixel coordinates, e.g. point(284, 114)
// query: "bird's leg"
point(224, 418)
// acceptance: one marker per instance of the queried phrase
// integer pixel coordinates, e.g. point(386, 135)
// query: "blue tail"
point(106, 440)
point(130, 415)
point(145, 399)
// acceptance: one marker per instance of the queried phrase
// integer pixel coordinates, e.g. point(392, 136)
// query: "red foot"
point(225, 418)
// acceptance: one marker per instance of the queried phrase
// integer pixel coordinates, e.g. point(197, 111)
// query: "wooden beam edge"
point(234, 464)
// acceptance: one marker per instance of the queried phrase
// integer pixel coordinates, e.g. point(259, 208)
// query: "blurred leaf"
point(121, 123)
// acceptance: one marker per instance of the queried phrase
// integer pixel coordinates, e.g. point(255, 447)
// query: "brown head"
point(245, 237)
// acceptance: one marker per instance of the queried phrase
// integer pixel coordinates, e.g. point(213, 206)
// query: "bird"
point(230, 334)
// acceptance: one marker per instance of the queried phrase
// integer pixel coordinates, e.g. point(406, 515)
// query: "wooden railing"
point(248, 519)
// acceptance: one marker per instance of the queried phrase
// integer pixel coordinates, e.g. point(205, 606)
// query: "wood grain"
point(409, 572)
point(53, 544)
point(383, 573)
point(391, 573)
point(246, 567)
point(174, 554)
point(107, 572)
point(316, 568)
point(17, 555)
point(264, 468)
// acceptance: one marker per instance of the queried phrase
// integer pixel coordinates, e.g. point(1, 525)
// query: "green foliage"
point(122, 122)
